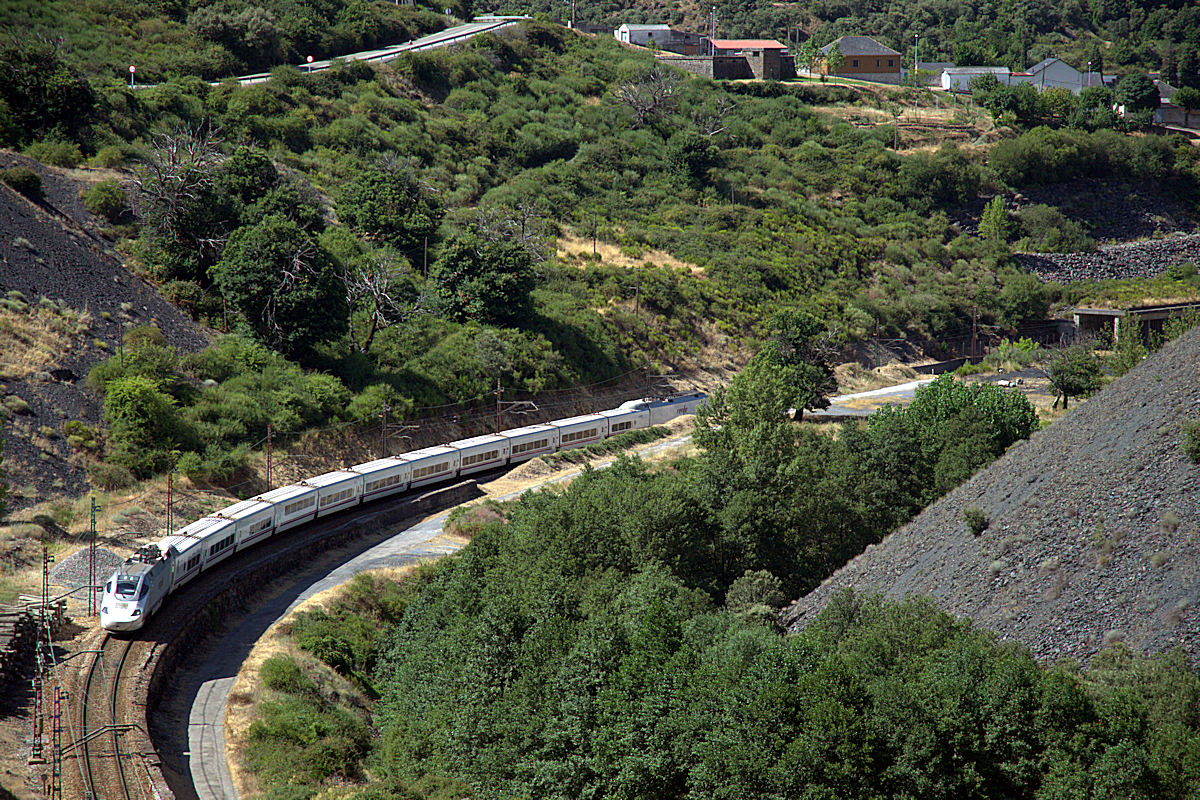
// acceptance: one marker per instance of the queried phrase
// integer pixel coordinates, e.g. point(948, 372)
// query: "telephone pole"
point(383, 447)
point(499, 407)
point(270, 434)
point(974, 328)
point(92, 562)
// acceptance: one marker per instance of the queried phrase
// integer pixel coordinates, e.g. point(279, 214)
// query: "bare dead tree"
point(179, 169)
point(711, 121)
point(380, 286)
point(650, 95)
point(522, 225)
point(295, 271)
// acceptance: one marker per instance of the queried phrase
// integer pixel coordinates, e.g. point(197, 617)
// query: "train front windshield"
point(127, 587)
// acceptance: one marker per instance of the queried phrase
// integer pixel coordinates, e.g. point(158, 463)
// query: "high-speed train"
point(138, 588)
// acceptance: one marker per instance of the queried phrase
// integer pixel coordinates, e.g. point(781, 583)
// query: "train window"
point(575, 436)
point(622, 426)
point(126, 586)
point(525, 447)
point(142, 593)
point(478, 457)
point(432, 469)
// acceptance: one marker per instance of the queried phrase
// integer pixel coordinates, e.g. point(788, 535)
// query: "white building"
point(1046, 74)
point(958, 79)
point(643, 34)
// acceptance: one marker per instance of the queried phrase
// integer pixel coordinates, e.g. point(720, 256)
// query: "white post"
point(132, 69)
point(916, 37)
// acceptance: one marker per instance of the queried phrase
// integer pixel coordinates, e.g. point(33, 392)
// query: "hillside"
point(68, 298)
point(1093, 535)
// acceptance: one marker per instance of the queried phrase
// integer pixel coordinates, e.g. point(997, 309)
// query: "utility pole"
point(594, 215)
point(916, 37)
point(47, 560)
point(170, 485)
point(383, 448)
point(92, 562)
point(270, 434)
point(499, 393)
point(974, 328)
point(55, 792)
point(637, 295)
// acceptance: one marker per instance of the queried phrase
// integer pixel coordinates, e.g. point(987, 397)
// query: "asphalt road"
point(863, 404)
point(439, 39)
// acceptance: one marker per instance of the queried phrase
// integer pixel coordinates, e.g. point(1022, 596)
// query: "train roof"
point(581, 419)
point(528, 429)
point(190, 535)
point(330, 478)
point(243, 509)
point(429, 452)
point(475, 441)
point(378, 464)
point(620, 412)
point(284, 493)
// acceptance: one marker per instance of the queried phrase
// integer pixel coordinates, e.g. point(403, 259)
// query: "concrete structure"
point(862, 58)
point(929, 73)
point(1053, 72)
point(664, 37)
point(767, 58)
point(958, 79)
point(1046, 74)
point(1105, 323)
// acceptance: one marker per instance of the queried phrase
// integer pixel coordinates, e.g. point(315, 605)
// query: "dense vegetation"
point(395, 227)
point(617, 639)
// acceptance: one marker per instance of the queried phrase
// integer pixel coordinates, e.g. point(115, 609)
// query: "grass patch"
point(613, 444)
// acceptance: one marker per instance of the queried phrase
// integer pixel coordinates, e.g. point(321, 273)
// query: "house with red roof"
point(767, 58)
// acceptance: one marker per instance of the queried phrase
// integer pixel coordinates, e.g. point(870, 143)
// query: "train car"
point(255, 521)
point(578, 431)
point(336, 491)
point(621, 420)
point(383, 476)
point(294, 505)
point(432, 464)
point(185, 554)
point(481, 453)
point(663, 410)
point(530, 442)
point(135, 591)
point(216, 537)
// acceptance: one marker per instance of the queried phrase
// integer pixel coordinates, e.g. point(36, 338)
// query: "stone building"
point(862, 58)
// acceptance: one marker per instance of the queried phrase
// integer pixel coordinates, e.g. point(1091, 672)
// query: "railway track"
point(103, 770)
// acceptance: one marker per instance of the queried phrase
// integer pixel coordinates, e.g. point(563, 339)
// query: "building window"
point(854, 63)
point(878, 62)
point(891, 62)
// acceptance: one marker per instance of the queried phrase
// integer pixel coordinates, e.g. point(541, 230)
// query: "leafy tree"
point(1187, 98)
point(1074, 372)
point(994, 225)
point(799, 348)
point(388, 204)
point(1137, 93)
point(833, 60)
point(285, 285)
point(1023, 298)
point(755, 588)
point(144, 424)
point(43, 95)
point(483, 280)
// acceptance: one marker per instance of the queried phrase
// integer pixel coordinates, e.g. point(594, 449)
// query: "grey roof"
point(977, 70)
point(638, 27)
point(859, 46)
point(935, 66)
point(1045, 62)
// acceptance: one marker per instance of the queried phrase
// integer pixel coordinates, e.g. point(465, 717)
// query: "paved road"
point(863, 404)
point(440, 39)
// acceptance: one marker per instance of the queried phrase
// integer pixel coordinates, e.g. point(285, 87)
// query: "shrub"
point(109, 477)
point(1191, 439)
point(976, 519)
point(106, 199)
point(753, 589)
point(110, 157)
point(17, 405)
point(283, 674)
point(1181, 272)
point(23, 180)
point(56, 154)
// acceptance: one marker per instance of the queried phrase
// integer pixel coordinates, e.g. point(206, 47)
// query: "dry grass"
point(33, 340)
point(576, 249)
point(853, 377)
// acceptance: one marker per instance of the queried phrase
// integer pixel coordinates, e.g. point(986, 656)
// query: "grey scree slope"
point(1094, 536)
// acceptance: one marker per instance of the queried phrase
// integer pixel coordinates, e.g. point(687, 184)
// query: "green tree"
point(1074, 372)
point(1023, 298)
point(994, 225)
point(390, 205)
point(42, 93)
point(1137, 92)
point(1187, 98)
point(800, 350)
point(484, 280)
point(833, 60)
point(144, 424)
point(284, 283)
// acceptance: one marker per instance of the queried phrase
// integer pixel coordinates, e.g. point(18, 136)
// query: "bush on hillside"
point(23, 180)
point(106, 199)
point(1191, 439)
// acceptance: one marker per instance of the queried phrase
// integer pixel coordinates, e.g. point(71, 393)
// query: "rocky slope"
point(1145, 258)
point(1094, 530)
point(51, 249)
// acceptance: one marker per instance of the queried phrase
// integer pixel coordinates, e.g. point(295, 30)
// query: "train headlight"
point(137, 612)
point(104, 609)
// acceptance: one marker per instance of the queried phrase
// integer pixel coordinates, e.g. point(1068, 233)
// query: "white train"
point(139, 587)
